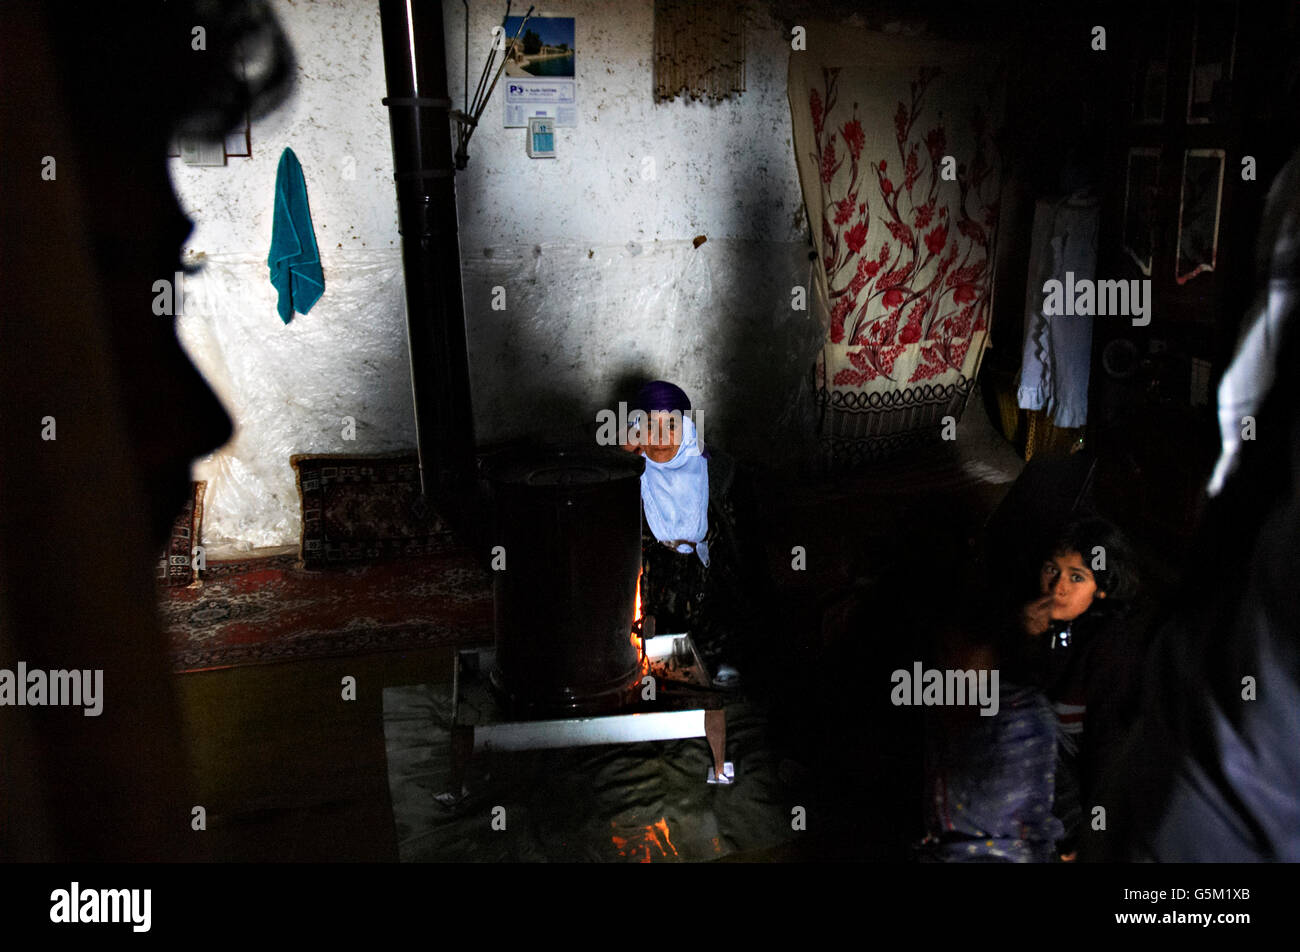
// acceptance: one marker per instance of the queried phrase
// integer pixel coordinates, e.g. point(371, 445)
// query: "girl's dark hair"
point(1106, 552)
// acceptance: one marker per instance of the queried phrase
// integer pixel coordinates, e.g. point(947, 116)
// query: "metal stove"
point(571, 665)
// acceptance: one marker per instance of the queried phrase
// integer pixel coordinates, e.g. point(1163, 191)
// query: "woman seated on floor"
point(680, 532)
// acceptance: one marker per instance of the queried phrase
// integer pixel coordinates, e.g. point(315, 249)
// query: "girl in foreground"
point(1007, 788)
point(1085, 657)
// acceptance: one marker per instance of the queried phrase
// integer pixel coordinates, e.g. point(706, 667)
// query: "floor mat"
point(261, 610)
point(646, 802)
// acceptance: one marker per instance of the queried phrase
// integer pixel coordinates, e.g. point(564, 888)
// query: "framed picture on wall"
point(1214, 48)
point(1151, 73)
point(1142, 184)
point(1198, 213)
point(237, 144)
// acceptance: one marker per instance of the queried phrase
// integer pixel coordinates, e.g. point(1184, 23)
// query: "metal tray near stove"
point(672, 698)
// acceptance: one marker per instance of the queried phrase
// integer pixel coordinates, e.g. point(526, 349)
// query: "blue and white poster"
point(539, 75)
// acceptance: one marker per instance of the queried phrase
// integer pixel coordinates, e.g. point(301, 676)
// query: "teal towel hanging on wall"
point(295, 260)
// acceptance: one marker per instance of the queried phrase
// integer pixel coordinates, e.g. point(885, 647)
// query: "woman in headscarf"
point(677, 531)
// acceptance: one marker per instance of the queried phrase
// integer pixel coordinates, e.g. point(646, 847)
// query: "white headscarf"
point(675, 495)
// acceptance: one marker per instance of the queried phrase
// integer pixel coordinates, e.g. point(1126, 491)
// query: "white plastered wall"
point(602, 280)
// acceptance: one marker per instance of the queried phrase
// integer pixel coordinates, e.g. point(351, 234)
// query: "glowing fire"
point(636, 615)
point(637, 845)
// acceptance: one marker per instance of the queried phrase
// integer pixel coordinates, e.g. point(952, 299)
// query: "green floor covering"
point(643, 802)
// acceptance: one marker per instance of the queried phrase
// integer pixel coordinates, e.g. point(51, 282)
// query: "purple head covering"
point(662, 395)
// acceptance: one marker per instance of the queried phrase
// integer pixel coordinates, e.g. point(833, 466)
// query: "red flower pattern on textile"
point(856, 237)
point(901, 232)
point(829, 165)
point(967, 275)
point(936, 239)
point(891, 280)
point(838, 313)
point(853, 137)
point(911, 171)
point(844, 209)
point(935, 270)
point(866, 271)
point(911, 332)
point(936, 142)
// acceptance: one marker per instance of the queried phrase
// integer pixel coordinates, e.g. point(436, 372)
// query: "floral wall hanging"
point(895, 143)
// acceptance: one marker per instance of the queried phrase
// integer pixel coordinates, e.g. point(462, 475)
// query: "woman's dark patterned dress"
point(684, 595)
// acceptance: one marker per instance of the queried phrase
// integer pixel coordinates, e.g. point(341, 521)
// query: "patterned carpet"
point(258, 611)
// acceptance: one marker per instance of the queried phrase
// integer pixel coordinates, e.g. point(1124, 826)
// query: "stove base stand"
point(686, 706)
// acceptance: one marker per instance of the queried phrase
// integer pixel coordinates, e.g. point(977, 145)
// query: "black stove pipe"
point(415, 67)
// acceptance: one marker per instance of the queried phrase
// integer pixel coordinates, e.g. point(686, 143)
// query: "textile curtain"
point(894, 140)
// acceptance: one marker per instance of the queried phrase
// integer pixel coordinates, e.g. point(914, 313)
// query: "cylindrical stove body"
point(569, 520)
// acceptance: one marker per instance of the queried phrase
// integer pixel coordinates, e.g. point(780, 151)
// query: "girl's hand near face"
point(1036, 616)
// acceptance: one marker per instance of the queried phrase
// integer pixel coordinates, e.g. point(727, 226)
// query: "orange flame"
point(643, 668)
point(637, 846)
point(637, 615)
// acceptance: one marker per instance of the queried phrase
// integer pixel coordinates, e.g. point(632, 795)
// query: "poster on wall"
point(539, 73)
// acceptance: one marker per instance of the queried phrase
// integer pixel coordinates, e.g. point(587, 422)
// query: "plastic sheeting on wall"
point(290, 388)
point(556, 333)
point(580, 325)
